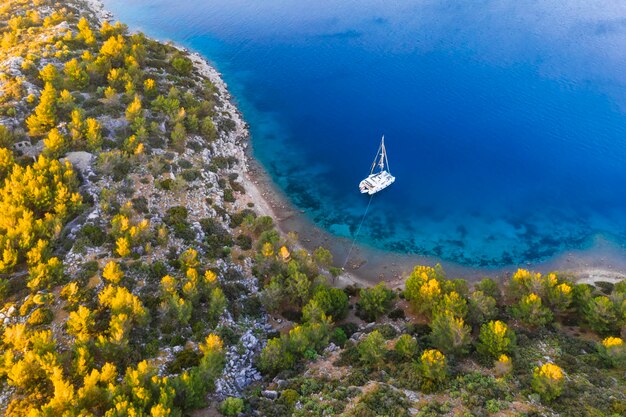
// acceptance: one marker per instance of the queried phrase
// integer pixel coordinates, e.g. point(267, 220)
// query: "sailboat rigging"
point(382, 179)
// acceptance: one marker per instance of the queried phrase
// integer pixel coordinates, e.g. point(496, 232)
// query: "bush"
point(396, 314)
point(176, 218)
point(495, 339)
point(450, 334)
point(338, 337)
point(372, 348)
point(548, 381)
point(382, 401)
point(374, 302)
point(182, 65)
point(244, 242)
point(333, 301)
point(231, 406)
point(433, 369)
point(94, 234)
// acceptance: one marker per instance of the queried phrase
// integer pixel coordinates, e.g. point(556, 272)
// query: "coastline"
point(604, 261)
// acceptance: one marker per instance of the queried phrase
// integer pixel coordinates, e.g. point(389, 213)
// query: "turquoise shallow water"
point(505, 120)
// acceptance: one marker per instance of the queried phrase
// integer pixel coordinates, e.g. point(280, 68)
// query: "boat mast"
point(386, 158)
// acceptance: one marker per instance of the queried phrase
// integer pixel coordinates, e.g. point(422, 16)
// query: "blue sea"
point(505, 120)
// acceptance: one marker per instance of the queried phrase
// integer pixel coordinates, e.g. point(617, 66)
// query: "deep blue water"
point(504, 120)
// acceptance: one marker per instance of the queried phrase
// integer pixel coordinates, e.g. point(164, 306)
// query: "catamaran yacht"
point(382, 179)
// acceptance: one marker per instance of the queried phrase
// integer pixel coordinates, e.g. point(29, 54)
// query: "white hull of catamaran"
point(376, 182)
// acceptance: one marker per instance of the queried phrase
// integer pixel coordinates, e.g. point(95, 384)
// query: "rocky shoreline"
point(367, 266)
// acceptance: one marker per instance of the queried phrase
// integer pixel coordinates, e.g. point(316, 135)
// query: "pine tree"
point(372, 348)
point(55, 144)
point(93, 134)
point(495, 339)
point(76, 75)
point(450, 334)
point(85, 33)
point(45, 116)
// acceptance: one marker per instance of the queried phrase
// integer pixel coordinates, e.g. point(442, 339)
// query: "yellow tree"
point(495, 339)
point(112, 272)
point(55, 144)
point(85, 33)
point(45, 116)
point(433, 369)
point(548, 381)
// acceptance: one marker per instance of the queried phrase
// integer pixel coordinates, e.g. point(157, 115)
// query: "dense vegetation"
point(112, 302)
point(132, 265)
point(535, 345)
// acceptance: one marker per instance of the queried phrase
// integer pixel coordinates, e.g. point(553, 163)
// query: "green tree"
point(231, 406)
point(275, 357)
point(450, 334)
point(182, 64)
point(531, 311)
point(482, 307)
point(495, 339)
point(406, 346)
point(333, 301)
point(179, 137)
point(7, 138)
point(217, 303)
point(375, 301)
point(372, 349)
point(602, 315)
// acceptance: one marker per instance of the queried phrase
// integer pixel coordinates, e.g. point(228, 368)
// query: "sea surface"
point(505, 120)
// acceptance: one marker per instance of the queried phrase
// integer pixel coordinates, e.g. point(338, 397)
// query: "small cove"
point(504, 120)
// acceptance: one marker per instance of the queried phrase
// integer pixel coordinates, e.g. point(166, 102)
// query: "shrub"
point(244, 242)
point(374, 302)
point(396, 314)
point(531, 311)
point(372, 348)
point(381, 401)
point(333, 301)
point(94, 234)
point(450, 334)
point(338, 337)
point(182, 64)
point(548, 381)
point(495, 339)
point(406, 346)
point(615, 349)
point(503, 366)
point(231, 406)
point(433, 369)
